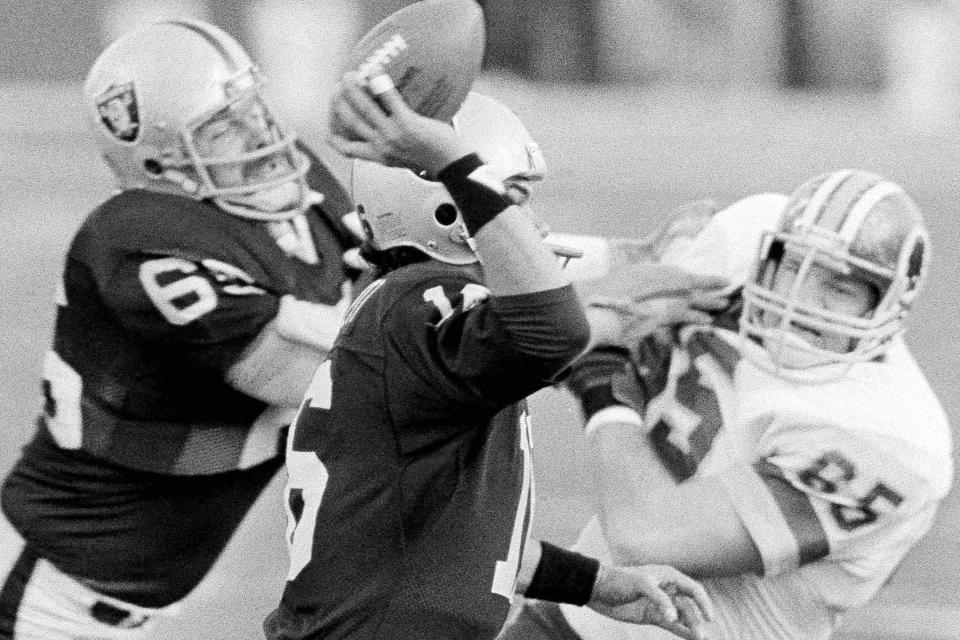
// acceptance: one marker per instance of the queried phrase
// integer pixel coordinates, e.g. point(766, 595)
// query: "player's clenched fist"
point(653, 594)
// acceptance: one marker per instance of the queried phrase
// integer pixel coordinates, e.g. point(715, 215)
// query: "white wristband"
point(618, 414)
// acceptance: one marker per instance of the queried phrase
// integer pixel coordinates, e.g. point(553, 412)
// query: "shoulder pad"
point(139, 219)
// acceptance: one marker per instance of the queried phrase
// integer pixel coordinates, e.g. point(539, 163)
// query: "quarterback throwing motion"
point(410, 480)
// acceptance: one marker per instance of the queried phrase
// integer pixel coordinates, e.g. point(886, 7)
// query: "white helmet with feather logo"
point(858, 229)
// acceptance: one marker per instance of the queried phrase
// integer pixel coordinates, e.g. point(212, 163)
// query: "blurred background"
point(639, 105)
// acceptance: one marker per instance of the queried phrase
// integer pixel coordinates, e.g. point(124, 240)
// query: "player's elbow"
point(570, 338)
point(576, 334)
point(549, 327)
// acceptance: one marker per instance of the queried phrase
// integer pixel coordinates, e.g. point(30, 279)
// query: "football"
point(432, 50)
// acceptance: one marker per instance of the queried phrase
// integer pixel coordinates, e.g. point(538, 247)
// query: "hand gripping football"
point(432, 50)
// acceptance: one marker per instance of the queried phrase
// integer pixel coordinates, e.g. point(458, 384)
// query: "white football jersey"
point(834, 481)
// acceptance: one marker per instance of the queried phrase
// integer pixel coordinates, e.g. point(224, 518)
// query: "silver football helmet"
point(401, 208)
point(855, 225)
point(176, 107)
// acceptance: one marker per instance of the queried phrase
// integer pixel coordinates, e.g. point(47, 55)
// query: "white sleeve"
point(818, 490)
point(728, 245)
point(280, 361)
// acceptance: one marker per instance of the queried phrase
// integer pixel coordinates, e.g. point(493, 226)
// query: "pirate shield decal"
point(118, 111)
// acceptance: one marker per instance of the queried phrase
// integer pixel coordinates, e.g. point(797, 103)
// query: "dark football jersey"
point(410, 483)
point(143, 537)
point(145, 460)
point(161, 294)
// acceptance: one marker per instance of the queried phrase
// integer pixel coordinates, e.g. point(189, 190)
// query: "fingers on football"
point(357, 95)
point(346, 123)
point(388, 96)
point(355, 148)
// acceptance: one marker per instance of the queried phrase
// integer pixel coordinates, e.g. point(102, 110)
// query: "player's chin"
point(286, 196)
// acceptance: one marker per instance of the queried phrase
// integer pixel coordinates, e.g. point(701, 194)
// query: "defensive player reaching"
point(195, 306)
point(410, 487)
point(798, 446)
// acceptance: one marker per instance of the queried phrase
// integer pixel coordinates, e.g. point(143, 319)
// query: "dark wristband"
point(563, 576)
point(460, 169)
point(477, 202)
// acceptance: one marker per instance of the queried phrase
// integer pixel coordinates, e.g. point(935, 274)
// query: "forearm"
point(601, 255)
point(275, 369)
point(278, 364)
point(513, 257)
point(648, 517)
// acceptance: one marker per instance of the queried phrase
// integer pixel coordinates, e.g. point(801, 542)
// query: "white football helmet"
point(400, 208)
point(855, 224)
point(176, 107)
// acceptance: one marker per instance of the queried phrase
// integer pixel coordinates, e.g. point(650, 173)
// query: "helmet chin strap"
point(790, 359)
point(790, 351)
point(180, 179)
point(282, 202)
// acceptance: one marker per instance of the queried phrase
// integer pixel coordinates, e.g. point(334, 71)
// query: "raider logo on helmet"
point(118, 111)
point(195, 126)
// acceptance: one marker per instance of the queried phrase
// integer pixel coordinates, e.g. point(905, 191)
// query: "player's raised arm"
point(384, 129)
point(488, 220)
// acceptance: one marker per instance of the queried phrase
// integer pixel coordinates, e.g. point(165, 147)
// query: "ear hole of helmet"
point(445, 214)
point(776, 251)
point(153, 166)
point(914, 273)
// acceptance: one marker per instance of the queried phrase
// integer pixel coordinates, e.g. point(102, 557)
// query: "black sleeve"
point(549, 327)
point(474, 349)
